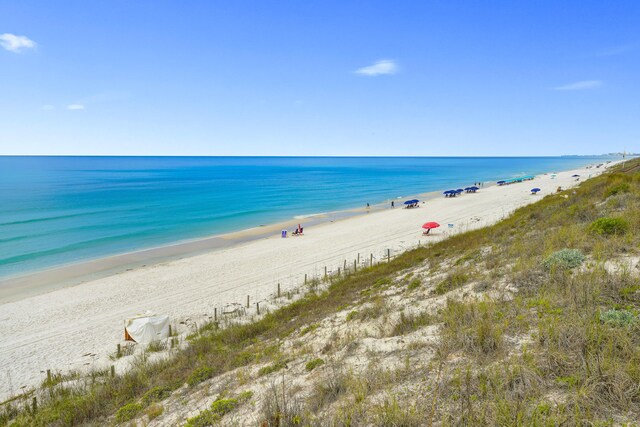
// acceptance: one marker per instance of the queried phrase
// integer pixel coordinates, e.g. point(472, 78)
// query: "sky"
point(336, 78)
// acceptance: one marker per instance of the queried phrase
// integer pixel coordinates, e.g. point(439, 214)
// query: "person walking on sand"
point(392, 205)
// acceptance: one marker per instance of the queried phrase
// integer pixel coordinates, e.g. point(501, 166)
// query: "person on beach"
point(367, 205)
point(392, 205)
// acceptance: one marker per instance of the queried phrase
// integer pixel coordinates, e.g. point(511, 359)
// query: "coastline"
point(84, 322)
point(17, 287)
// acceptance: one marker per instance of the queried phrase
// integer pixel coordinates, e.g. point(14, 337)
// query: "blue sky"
point(319, 77)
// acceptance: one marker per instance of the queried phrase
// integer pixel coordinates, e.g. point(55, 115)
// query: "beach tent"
point(147, 328)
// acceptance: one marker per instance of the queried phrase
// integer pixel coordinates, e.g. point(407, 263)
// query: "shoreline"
point(84, 322)
point(17, 287)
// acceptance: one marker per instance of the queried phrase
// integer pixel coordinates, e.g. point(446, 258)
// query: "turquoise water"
point(58, 210)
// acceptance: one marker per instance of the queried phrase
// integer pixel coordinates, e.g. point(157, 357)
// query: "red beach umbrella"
point(430, 225)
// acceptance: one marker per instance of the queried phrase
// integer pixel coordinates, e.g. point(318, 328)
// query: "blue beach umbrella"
point(459, 190)
point(535, 190)
point(474, 188)
point(408, 202)
point(500, 182)
point(575, 176)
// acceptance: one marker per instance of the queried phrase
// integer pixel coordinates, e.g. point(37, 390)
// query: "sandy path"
point(56, 330)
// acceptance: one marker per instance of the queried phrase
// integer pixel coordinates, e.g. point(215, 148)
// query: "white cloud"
point(16, 44)
point(75, 107)
point(384, 66)
point(618, 50)
point(582, 85)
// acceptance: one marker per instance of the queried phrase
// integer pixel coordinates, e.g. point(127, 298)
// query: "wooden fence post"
point(278, 290)
point(113, 371)
point(388, 255)
point(247, 301)
point(355, 267)
point(371, 260)
point(258, 308)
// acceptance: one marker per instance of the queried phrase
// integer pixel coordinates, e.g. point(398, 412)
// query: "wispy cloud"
point(618, 50)
point(75, 107)
point(582, 85)
point(16, 44)
point(383, 66)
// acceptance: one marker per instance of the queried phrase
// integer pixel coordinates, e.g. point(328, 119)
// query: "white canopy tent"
point(147, 328)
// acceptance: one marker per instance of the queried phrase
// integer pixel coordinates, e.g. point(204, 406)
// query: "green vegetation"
point(154, 411)
point(128, 411)
point(562, 350)
point(617, 189)
point(313, 364)
point(415, 284)
point(618, 317)
point(609, 226)
point(156, 394)
point(201, 374)
point(410, 322)
point(219, 408)
point(564, 259)
point(453, 280)
point(266, 370)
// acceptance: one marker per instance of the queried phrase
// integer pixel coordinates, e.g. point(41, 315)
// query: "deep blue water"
point(57, 210)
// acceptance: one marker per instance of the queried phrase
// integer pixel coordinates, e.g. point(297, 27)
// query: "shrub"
point(128, 411)
point(618, 317)
point(313, 364)
point(564, 259)
point(410, 322)
point(352, 315)
point(156, 394)
point(452, 281)
point(154, 411)
point(609, 226)
point(266, 370)
point(245, 395)
point(415, 283)
point(205, 418)
point(223, 406)
point(309, 328)
point(201, 374)
point(617, 189)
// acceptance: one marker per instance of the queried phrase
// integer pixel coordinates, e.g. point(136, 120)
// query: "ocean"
point(60, 210)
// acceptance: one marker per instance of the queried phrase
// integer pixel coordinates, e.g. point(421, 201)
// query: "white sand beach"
point(78, 327)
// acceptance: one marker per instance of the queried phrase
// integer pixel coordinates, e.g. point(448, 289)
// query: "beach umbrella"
point(535, 190)
point(459, 190)
point(500, 182)
point(430, 225)
point(408, 202)
point(575, 176)
point(474, 188)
